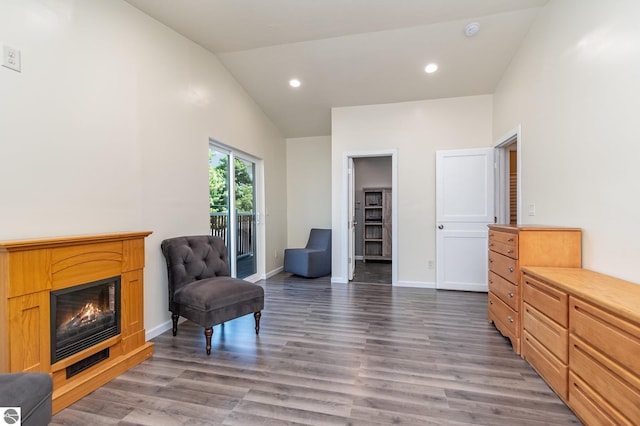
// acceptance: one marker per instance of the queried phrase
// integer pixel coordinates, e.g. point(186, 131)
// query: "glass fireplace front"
point(83, 316)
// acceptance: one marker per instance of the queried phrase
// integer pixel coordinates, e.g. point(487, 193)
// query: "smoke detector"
point(471, 29)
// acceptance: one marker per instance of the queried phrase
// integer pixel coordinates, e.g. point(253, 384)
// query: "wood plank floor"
point(375, 272)
point(362, 354)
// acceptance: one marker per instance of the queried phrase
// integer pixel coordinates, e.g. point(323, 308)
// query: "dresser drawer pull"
point(490, 281)
point(509, 251)
point(510, 268)
point(510, 319)
point(490, 244)
point(510, 240)
point(490, 260)
point(510, 294)
point(490, 302)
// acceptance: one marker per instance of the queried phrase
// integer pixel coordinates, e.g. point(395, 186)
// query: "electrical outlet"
point(11, 58)
point(429, 264)
point(532, 209)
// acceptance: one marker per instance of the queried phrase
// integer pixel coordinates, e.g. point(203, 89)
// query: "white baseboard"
point(272, 273)
point(158, 330)
point(479, 288)
point(339, 280)
point(416, 284)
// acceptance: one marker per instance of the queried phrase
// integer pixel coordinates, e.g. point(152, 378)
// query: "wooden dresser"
point(582, 334)
point(510, 248)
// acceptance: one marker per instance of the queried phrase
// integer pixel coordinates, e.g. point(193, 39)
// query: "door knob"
point(440, 226)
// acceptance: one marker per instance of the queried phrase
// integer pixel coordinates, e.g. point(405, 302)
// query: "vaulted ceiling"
point(351, 52)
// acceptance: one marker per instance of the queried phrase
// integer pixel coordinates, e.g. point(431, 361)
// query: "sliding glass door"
point(232, 201)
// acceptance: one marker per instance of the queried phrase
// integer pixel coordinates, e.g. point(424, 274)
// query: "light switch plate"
point(11, 58)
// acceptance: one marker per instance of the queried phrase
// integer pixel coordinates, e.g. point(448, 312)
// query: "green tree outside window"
point(219, 189)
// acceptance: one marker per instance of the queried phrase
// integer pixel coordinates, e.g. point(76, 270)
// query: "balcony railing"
point(245, 223)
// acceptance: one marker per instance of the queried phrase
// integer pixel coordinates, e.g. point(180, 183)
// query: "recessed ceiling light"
point(471, 29)
point(431, 68)
point(294, 82)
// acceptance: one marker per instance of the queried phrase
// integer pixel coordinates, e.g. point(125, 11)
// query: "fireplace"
point(30, 270)
point(83, 316)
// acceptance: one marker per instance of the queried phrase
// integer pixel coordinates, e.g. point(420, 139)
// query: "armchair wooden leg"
point(208, 332)
point(257, 316)
point(175, 317)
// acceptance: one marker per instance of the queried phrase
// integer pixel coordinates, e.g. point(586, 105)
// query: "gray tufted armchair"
point(200, 288)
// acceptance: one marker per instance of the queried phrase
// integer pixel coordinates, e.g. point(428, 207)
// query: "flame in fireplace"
point(88, 313)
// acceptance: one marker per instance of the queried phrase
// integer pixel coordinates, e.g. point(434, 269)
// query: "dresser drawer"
point(505, 290)
point(508, 250)
point(617, 387)
point(548, 300)
point(503, 237)
point(590, 406)
point(508, 318)
point(554, 372)
point(548, 333)
point(504, 243)
point(504, 266)
point(607, 333)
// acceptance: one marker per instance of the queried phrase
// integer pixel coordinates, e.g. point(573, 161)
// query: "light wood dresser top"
point(616, 295)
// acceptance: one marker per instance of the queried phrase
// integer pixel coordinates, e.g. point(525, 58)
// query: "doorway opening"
point(508, 153)
point(373, 219)
point(371, 212)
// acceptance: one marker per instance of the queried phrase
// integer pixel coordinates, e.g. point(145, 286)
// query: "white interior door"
point(352, 219)
point(464, 208)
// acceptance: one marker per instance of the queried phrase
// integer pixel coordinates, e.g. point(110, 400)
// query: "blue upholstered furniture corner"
point(315, 259)
point(31, 392)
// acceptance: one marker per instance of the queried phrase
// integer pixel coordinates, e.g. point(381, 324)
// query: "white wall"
point(106, 129)
point(308, 187)
point(575, 88)
point(416, 130)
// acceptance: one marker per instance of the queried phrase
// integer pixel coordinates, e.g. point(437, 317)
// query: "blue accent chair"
point(314, 260)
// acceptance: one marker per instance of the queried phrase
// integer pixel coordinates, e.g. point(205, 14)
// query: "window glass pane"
point(219, 193)
point(246, 218)
point(237, 226)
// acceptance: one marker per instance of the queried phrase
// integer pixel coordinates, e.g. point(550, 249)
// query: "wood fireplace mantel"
point(31, 269)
